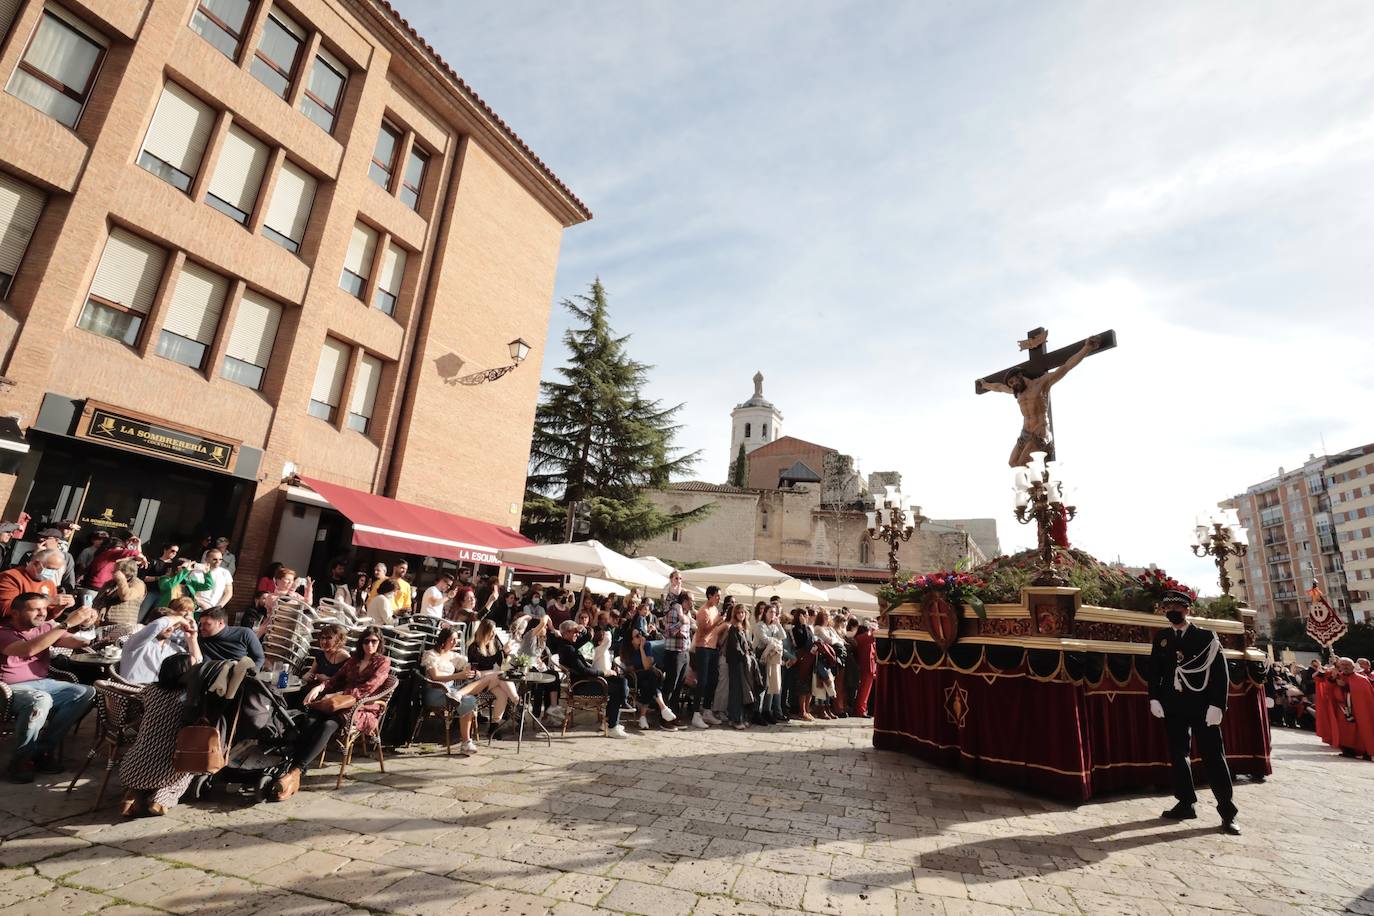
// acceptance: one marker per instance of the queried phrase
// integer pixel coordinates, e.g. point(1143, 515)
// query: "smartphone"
point(87, 598)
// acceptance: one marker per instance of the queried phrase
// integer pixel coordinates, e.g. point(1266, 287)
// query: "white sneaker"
point(617, 732)
point(667, 715)
point(698, 721)
point(468, 747)
point(644, 723)
point(711, 718)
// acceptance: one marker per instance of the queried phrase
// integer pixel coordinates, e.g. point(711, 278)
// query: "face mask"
point(51, 575)
point(1174, 617)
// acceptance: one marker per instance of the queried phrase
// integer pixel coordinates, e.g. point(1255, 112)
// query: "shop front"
point(111, 467)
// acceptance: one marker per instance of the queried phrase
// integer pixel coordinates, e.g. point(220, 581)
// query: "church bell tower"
point(754, 423)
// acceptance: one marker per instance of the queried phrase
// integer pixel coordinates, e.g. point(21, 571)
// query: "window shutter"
point(129, 272)
point(365, 386)
point(393, 269)
point(180, 129)
point(8, 9)
point(361, 248)
point(330, 375)
point(292, 198)
point(255, 329)
point(239, 172)
point(20, 207)
point(196, 303)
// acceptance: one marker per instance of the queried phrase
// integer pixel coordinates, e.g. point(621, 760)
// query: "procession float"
point(1032, 670)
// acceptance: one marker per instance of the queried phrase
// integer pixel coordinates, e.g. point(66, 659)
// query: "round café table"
point(525, 685)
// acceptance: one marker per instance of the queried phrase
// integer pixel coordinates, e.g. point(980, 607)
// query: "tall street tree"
point(599, 442)
point(739, 468)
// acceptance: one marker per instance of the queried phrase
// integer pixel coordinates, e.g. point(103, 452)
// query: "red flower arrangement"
point(1156, 583)
point(959, 588)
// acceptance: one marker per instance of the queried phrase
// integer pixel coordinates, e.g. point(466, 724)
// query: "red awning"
point(390, 524)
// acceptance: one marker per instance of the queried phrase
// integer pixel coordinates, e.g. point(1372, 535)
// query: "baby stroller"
point(260, 733)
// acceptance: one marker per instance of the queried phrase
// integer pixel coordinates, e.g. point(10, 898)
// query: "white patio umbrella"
point(585, 558)
point(793, 591)
point(655, 564)
point(852, 597)
point(754, 573)
point(597, 586)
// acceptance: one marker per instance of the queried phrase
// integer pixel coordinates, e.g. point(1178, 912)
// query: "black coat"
point(1167, 651)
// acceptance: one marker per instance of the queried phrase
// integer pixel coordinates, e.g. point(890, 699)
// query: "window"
point(176, 138)
point(389, 279)
point(329, 377)
point(222, 23)
point(384, 155)
point(274, 64)
point(863, 553)
point(358, 260)
point(288, 213)
point(20, 207)
point(324, 90)
point(364, 399)
point(414, 178)
point(238, 175)
point(250, 342)
point(125, 284)
point(59, 67)
point(748, 430)
point(192, 315)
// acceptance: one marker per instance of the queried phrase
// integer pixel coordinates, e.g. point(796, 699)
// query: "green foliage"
point(1102, 585)
point(1290, 632)
point(599, 442)
point(1358, 643)
point(739, 468)
point(1223, 607)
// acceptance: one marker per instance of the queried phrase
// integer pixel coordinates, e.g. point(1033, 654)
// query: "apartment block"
point(1293, 539)
point(1351, 484)
point(250, 243)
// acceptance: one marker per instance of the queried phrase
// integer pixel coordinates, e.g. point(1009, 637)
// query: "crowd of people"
point(1334, 700)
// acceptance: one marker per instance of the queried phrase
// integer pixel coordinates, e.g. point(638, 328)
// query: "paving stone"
point(702, 876)
point(67, 901)
point(18, 884)
point(634, 897)
point(34, 845)
point(776, 889)
point(825, 895)
point(577, 888)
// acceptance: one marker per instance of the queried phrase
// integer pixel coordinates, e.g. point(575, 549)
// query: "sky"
point(872, 202)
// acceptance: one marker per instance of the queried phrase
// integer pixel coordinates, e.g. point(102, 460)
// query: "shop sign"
point(123, 429)
point(105, 519)
point(478, 556)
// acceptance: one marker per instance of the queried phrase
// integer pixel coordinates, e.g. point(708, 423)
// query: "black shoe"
point(1180, 812)
point(48, 764)
point(1229, 827)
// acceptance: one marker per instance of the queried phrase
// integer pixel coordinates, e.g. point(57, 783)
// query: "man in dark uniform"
point(1188, 685)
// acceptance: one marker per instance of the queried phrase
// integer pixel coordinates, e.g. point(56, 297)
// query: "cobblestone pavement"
point(800, 818)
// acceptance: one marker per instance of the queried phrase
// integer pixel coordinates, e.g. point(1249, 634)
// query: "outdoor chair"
point(444, 712)
point(585, 695)
point(117, 711)
point(349, 734)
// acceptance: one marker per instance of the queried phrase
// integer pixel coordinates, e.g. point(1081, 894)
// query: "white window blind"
point(361, 247)
point(20, 207)
point(329, 376)
point(180, 129)
point(255, 329)
point(365, 386)
point(238, 175)
point(56, 73)
point(393, 269)
point(196, 303)
point(289, 211)
point(8, 9)
point(129, 272)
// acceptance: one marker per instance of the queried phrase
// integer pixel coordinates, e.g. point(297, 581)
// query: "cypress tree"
point(599, 443)
point(739, 468)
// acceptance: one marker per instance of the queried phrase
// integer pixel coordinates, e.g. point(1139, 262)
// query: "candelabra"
point(1220, 536)
point(1042, 497)
point(893, 520)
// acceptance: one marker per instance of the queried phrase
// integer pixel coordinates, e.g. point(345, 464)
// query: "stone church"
point(802, 509)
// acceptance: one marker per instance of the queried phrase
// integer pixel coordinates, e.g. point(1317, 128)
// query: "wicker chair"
point(584, 695)
point(445, 712)
point(117, 711)
point(350, 734)
point(7, 703)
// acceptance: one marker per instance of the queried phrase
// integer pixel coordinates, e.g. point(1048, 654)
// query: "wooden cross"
point(1034, 400)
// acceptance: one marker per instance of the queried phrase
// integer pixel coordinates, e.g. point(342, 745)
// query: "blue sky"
point(872, 202)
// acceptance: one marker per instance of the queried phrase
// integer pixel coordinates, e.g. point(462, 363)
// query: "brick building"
point(1351, 485)
point(238, 236)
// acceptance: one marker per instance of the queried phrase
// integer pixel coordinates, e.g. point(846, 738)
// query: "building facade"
point(755, 422)
point(1293, 538)
point(242, 238)
point(1351, 485)
point(794, 530)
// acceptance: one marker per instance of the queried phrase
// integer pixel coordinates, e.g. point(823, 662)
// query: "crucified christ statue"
point(1030, 384)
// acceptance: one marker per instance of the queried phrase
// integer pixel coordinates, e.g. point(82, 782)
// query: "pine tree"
point(599, 443)
point(739, 468)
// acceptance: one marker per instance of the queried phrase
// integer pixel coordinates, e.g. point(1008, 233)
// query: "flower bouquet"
point(1154, 584)
point(519, 664)
point(956, 588)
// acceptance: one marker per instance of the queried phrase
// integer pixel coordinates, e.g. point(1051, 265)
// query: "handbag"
point(199, 749)
point(334, 703)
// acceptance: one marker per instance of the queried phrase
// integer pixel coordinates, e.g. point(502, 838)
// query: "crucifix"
point(1029, 382)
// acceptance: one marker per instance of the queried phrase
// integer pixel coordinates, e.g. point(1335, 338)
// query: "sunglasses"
point(373, 641)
